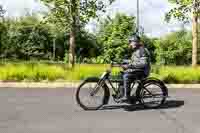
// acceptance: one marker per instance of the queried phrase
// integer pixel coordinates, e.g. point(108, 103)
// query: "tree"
point(195, 34)
point(182, 12)
point(174, 49)
point(73, 14)
point(113, 38)
point(33, 39)
point(2, 12)
point(114, 34)
point(87, 46)
point(2, 26)
point(149, 43)
point(25, 38)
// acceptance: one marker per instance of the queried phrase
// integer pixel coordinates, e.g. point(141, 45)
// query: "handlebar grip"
point(115, 64)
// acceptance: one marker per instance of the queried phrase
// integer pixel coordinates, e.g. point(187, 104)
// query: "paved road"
point(55, 111)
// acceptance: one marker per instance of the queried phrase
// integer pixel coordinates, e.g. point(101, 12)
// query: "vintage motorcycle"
point(94, 92)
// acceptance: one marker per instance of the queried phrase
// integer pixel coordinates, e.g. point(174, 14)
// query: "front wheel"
point(152, 93)
point(92, 94)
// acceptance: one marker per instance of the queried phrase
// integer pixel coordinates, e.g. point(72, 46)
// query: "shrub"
point(35, 71)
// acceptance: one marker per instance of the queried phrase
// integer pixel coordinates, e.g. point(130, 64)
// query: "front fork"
point(99, 84)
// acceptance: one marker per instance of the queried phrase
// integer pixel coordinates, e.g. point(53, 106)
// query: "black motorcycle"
point(95, 92)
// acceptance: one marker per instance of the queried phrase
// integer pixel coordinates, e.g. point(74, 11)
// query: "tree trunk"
point(72, 49)
point(194, 38)
point(72, 34)
point(54, 48)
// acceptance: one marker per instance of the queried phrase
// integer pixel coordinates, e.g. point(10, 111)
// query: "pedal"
point(116, 98)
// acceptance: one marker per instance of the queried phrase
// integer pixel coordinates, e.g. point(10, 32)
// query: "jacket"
point(140, 59)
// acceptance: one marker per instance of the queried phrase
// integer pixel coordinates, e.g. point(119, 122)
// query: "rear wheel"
point(91, 95)
point(152, 94)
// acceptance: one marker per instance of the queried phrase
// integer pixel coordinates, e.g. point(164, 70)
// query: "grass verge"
point(36, 71)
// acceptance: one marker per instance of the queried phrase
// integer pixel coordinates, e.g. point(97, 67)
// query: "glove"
point(125, 67)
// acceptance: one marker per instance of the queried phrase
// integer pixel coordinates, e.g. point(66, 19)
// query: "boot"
point(124, 98)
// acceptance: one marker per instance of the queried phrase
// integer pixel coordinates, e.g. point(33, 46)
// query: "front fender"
point(92, 79)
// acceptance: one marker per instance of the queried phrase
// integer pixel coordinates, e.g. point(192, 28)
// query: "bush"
point(36, 71)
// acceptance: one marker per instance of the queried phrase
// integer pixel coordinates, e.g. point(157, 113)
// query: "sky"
point(20, 7)
point(151, 13)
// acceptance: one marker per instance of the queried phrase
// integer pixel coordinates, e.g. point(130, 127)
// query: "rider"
point(140, 60)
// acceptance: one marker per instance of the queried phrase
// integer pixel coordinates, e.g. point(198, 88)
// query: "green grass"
point(83, 71)
point(31, 72)
point(180, 74)
point(39, 71)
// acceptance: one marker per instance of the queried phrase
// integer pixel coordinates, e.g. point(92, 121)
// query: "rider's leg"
point(126, 84)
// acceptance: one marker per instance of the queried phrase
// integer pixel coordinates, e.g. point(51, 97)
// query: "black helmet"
point(134, 38)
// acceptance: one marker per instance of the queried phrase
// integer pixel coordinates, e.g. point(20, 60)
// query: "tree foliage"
point(114, 34)
point(183, 10)
point(60, 10)
point(72, 15)
point(2, 11)
point(113, 37)
point(174, 49)
point(24, 38)
point(29, 38)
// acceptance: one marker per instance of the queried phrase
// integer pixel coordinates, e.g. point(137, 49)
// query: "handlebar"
point(114, 64)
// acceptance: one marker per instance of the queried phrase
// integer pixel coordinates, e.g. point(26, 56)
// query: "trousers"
point(129, 77)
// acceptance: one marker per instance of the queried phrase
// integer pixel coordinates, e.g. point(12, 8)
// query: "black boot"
point(124, 98)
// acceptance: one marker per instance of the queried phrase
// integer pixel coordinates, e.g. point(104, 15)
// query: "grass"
point(180, 74)
point(31, 72)
point(37, 71)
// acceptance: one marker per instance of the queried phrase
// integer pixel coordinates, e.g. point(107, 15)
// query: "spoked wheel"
point(153, 94)
point(91, 95)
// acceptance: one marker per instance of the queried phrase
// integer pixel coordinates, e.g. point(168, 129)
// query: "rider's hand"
point(125, 66)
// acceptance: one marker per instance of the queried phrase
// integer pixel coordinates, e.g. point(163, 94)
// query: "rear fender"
point(152, 79)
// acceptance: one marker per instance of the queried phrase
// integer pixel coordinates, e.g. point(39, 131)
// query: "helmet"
point(135, 38)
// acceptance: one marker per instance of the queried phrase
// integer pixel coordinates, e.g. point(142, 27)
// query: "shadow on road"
point(169, 104)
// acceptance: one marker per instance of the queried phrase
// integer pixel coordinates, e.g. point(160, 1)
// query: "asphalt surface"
point(29, 110)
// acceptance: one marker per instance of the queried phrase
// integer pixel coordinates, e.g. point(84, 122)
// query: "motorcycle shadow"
point(138, 107)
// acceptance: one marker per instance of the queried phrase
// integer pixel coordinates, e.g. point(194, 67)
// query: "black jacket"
point(140, 59)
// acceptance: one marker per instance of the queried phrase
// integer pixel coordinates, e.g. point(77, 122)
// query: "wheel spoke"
point(90, 95)
point(96, 89)
point(148, 91)
point(152, 95)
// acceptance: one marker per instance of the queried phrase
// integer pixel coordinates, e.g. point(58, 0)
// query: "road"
point(46, 110)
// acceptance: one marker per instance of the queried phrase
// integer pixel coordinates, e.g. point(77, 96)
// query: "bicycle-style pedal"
point(116, 98)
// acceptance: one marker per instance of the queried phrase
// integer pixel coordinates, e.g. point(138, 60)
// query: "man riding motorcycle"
point(140, 61)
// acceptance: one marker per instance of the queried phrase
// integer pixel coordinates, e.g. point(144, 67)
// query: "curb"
point(39, 85)
point(183, 86)
point(75, 85)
